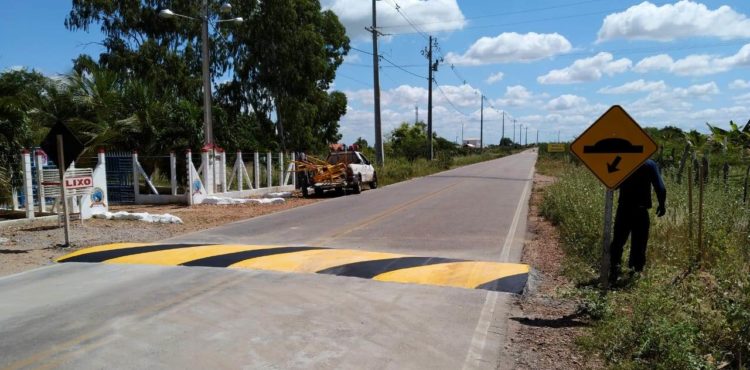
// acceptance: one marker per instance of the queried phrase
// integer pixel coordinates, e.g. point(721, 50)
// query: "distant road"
point(106, 315)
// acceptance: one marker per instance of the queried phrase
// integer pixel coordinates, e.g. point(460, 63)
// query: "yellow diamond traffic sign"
point(613, 147)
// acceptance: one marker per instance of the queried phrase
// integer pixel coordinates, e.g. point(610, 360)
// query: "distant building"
point(471, 143)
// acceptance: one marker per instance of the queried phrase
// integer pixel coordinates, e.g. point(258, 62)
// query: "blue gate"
point(120, 178)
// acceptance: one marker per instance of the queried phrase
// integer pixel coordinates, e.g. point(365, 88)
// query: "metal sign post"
point(606, 253)
point(63, 193)
point(613, 148)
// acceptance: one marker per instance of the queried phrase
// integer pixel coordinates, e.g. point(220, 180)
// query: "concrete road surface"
point(96, 315)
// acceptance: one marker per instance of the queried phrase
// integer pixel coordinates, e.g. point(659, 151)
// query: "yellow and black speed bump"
point(495, 276)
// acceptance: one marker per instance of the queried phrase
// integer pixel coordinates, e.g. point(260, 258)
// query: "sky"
point(549, 66)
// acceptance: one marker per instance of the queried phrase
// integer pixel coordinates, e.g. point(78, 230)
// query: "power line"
point(401, 67)
point(403, 15)
point(448, 99)
point(549, 19)
point(354, 79)
point(501, 14)
point(393, 64)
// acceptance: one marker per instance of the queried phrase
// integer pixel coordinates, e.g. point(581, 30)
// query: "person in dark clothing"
point(632, 216)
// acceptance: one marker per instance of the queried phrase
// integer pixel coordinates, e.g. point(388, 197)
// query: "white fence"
point(270, 173)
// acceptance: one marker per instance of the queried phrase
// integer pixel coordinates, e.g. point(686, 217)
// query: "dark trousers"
point(633, 222)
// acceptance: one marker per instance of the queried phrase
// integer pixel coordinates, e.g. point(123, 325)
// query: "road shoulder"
point(543, 324)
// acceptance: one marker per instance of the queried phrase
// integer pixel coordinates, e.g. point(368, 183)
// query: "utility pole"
point(514, 131)
point(416, 114)
point(462, 134)
point(537, 138)
point(432, 67)
point(502, 135)
point(376, 85)
point(527, 136)
point(558, 136)
point(481, 123)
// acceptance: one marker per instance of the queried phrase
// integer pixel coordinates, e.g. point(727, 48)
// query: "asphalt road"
point(94, 315)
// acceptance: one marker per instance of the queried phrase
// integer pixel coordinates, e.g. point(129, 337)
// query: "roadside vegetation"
point(144, 91)
point(406, 153)
point(691, 309)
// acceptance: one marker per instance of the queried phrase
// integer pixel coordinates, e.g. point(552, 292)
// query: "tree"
point(408, 141)
point(18, 91)
point(285, 61)
point(506, 142)
point(280, 62)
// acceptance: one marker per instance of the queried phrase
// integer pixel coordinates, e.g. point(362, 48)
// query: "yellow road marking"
point(457, 274)
point(173, 257)
point(312, 260)
point(101, 248)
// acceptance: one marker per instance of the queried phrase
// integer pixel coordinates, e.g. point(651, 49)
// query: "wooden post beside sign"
point(613, 148)
point(63, 193)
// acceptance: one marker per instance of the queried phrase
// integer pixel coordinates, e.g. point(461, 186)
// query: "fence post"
point(269, 169)
point(701, 187)
point(136, 176)
point(190, 179)
point(14, 194)
point(256, 169)
point(208, 181)
point(682, 163)
point(239, 163)
point(690, 201)
point(39, 180)
point(28, 184)
point(281, 169)
point(725, 174)
point(294, 170)
point(223, 171)
point(173, 172)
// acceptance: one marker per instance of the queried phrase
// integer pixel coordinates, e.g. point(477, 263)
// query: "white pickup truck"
point(359, 171)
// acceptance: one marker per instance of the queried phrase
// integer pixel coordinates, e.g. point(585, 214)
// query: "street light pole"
point(207, 124)
point(208, 132)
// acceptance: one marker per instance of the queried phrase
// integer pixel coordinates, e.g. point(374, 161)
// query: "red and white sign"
point(79, 182)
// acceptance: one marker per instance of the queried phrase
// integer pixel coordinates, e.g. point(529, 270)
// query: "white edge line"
point(505, 252)
point(479, 339)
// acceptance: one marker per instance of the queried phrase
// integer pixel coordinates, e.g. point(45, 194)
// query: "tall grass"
point(683, 313)
point(397, 169)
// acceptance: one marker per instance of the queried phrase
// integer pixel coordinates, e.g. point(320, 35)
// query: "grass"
point(401, 169)
point(691, 309)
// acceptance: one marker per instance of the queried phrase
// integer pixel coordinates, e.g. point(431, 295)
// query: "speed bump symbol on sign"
point(613, 147)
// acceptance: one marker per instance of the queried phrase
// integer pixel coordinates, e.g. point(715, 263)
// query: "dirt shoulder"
point(35, 244)
point(544, 325)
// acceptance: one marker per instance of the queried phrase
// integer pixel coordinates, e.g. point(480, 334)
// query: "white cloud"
point(698, 91)
point(634, 87)
point(739, 84)
point(432, 16)
point(511, 47)
point(587, 69)
point(744, 98)
point(352, 58)
point(683, 19)
point(518, 96)
point(495, 77)
point(566, 102)
point(677, 102)
point(695, 65)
